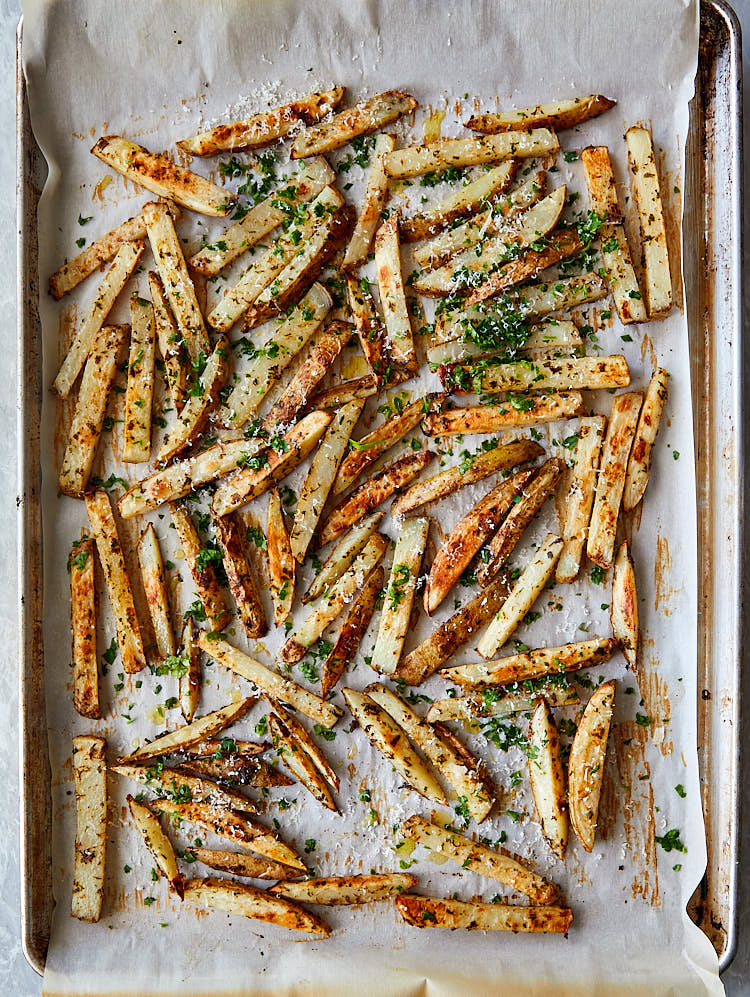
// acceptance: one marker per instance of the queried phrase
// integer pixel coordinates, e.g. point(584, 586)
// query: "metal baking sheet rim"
point(715, 322)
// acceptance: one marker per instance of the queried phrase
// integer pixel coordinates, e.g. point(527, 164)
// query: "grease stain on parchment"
point(636, 799)
point(663, 588)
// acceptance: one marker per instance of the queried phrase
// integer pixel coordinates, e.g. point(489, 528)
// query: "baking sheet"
point(649, 942)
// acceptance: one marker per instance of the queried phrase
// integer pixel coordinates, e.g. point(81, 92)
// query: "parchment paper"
point(157, 72)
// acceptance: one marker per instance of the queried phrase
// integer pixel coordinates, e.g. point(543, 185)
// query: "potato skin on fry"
point(586, 763)
point(431, 912)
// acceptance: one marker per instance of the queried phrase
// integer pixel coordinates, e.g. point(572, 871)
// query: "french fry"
point(241, 771)
point(155, 587)
point(321, 477)
point(239, 864)
point(479, 859)
point(337, 891)
point(430, 912)
point(352, 631)
point(402, 164)
point(506, 415)
point(468, 535)
point(372, 493)
point(610, 483)
point(241, 898)
point(399, 596)
point(168, 339)
point(449, 481)
point(547, 780)
point(191, 683)
point(179, 288)
point(90, 773)
point(370, 328)
point(263, 128)
point(391, 741)
point(104, 530)
point(218, 750)
point(206, 583)
point(199, 730)
point(645, 187)
point(465, 201)
point(533, 664)
point(586, 763)
point(157, 173)
point(158, 844)
point(296, 759)
point(327, 607)
point(649, 420)
point(83, 625)
point(326, 347)
point(523, 595)
point(624, 609)
point(363, 118)
point(600, 181)
point(342, 555)
point(461, 776)
point(558, 115)
point(282, 345)
point(443, 643)
point(308, 745)
point(87, 333)
point(580, 497)
point(140, 388)
point(376, 196)
point(242, 583)
point(521, 514)
point(264, 471)
point(91, 404)
point(270, 682)
point(472, 710)
point(391, 287)
point(341, 394)
point(281, 563)
point(578, 373)
point(172, 781)
point(556, 339)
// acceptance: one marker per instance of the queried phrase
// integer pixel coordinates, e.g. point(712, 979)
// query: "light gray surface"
point(16, 977)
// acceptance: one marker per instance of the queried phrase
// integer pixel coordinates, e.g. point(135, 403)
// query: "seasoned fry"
point(342, 555)
point(449, 481)
point(337, 891)
point(391, 741)
point(558, 115)
point(91, 404)
point(483, 861)
point(346, 391)
point(580, 497)
point(104, 529)
point(399, 596)
point(173, 782)
point(511, 415)
point(610, 483)
point(199, 730)
point(521, 514)
point(296, 759)
point(209, 747)
point(578, 373)
point(140, 388)
point(90, 772)
point(624, 609)
point(270, 682)
point(191, 683)
point(321, 477)
point(327, 607)
point(281, 562)
point(647, 197)
point(649, 420)
point(547, 779)
point(473, 710)
point(241, 898)
point(173, 271)
point(264, 471)
point(391, 287)
point(239, 864)
point(158, 844)
point(363, 118)
point(430, 912)
point(372, 493)
point(206, 583)
point(242, 583)
point(168, 339)
point(263, 128)
point(468, 535)
point(155, 587)
point(414, 160)
point(157, 173)
point(370, 329)
point(87, 333)
point(83, 625)
point(600, 181)
point(308, 745)
point(375, 200)
point(240, 770)
point(553, 338)
point(586, 763)
point(524, 594)
point(352, 631)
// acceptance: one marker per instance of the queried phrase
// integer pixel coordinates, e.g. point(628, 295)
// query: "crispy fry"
point(624, 609)
point(240, 771)
point(414, 160)
point(342, 555)
point(168, 340)
point(363, 118)
point(600, 181)
point(173, 782)
point(492, 418)
point(474, 709)
point(578, 373)
point(206, 583)
point(140, 389)
point(242, 583)
point(157, 843)
point(649, 420)
point(83, 625)
point(430, 912)
point(391, 287)
point(298, 762)
point(313, 751)
point(341, 394)
point(548, 339)
point(281, 563)
point(580, 497)
point(241, 898)
point(250, 866)
point(200, 729)
point(337, 891)
point(558, 115)
point(352, 631)
point(645, 187)
point(547, 779)
point(155, 587)
point(203, 400)
point(90, 772)
point(375, 200)
point(370, 328)
point(586, 763)
point(191, 683)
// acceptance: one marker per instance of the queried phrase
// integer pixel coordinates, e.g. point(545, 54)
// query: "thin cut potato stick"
point(342, 555)
point(547, 780)
point(206, 583)
point(370, 328)
point(310, 747)
point(492, 418)
point(336, 891)
point(155, 587)
point(243, 899)
point(352, 631)
point(86, 335)
point(90, 772)
point(344, 392)
point(414, 160)
point(168, 340)
point(83, 625)
point(263, 128)
point(91, 405)
point(361, 119)
point(242, 583)
point(590, 373)
point(558, 115)
point(191, 683)
point(158, 844)
point(281, 563)
point(199, 730)
point(139, 394)
point(157, 173)
point(104, 529)
point(375, 199)
point(391, 286)
point(430, 912)
point(639, 462)
point(580, 497)
point(645, 186)
point(293, 755)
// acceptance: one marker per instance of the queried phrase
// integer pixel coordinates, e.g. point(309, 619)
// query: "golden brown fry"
point(191, 683)
point(240, 771)
point(241, 898)
point(83, 625)
point(547, 780)
point(240, 864)
point(352, 631)
point(430, 912)
point(313, 750)
point(200, 729)
point(415, 160)
point(174, 781)
point(341, 394)
point(157, 843)
point(297, 760)
point(337, 891)
point(376, 196)
point(139, 394)
point(168, 340)
point(363, 118)
point(155, 587)
point(90, 772)
point(242, 583)
point(580, 497)
point(370, 328)
point(281, 563)
point(558, 115)
point(647, 196)
point(639, 462)
point(624, 610)
point(204, 576)
point(586, 764)
point(391, 286)
point(492, 418)
point(567, 374)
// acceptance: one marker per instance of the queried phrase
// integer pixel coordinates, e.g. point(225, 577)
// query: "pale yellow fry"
point(391, 286)
point(204, 398)
point(342, 555)
point(557, 114)
point(281, 563)
point(580, 497)
point(547, 780)
point(586, 764)
point(199, 730)
point(168, 340)
point(624, 609)
point(649, 420)
point(645, 187)
point(158, 844)
point(415, 160)
point(376, 196)
point(155, 587)
point(90, 773)
point(83, 625)
point(361, 119)
point(139, 394)
point(337, 891)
